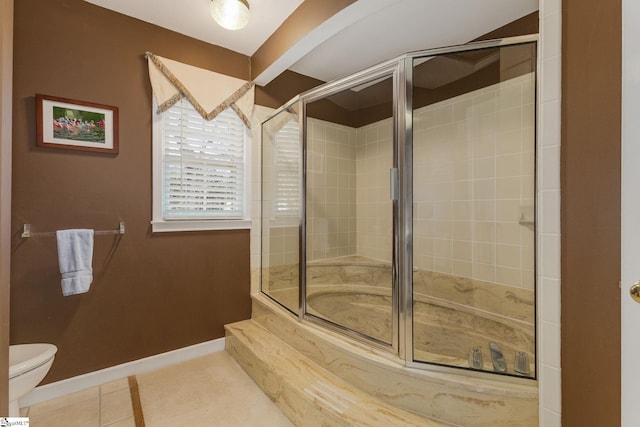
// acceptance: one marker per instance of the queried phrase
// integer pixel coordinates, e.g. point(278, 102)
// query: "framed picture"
point(76, 125)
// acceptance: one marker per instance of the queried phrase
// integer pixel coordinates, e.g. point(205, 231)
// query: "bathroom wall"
point(473, 174)
point(374, 158)
point(590, 150)
point(6, 80)
point(473, 179)
point(151, 292)
point(331, 190)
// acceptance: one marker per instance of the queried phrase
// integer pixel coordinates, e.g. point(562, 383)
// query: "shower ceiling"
point(363, 34)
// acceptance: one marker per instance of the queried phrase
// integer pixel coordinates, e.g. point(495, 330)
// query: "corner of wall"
point(548, 184)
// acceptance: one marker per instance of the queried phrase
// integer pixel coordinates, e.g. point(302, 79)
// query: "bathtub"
point(451, 315)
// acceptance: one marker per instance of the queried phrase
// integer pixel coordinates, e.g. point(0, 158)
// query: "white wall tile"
point(550, 123)
point(548, 7)
point(550, 300)
point(549, 213)
point(549, 255)
point(552, 30)
point(551, 345)
point(549, 168)
point(551, 80)
point(550, 206)
point(550, 419)
point(550, 385)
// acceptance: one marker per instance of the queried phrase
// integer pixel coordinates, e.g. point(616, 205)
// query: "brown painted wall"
point(6, 81)
point(591, 103)
point(151, 293)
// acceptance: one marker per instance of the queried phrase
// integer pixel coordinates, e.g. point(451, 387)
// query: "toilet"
point(28, 365)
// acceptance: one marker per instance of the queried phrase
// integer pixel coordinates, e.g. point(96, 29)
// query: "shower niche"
point(398, 207)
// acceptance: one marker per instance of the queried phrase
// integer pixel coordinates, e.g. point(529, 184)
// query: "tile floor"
point(209, 391)
point(105, 405)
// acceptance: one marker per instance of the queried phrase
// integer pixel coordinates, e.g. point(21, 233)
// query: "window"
point(286, 172)
point(199, 175)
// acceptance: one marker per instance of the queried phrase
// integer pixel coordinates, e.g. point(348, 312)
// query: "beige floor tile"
point(114, 386)
point(115, 406)
point(81, 414)
point(128, 422)
point(208, 391)
point(63, 401)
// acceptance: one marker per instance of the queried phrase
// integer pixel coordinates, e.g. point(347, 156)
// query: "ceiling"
point(363, 34)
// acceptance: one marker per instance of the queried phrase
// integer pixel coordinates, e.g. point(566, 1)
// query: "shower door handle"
point(394, 184)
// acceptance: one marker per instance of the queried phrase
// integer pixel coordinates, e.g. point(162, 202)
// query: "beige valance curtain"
point(209, 92)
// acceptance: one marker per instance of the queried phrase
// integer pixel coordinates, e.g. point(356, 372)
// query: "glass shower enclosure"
point(398, 207)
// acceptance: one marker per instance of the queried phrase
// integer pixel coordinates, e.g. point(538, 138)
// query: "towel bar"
point(26, 231)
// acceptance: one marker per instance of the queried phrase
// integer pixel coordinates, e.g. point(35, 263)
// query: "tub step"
point(456, 399)
point(308, 394)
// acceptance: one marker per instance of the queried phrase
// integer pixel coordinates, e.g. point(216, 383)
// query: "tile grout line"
point(138, 416)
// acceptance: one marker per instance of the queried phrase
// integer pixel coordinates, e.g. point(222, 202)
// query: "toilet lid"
point(25, 357)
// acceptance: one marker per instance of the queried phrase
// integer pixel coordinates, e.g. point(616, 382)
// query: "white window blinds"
point(286, 169)
point(203, 165)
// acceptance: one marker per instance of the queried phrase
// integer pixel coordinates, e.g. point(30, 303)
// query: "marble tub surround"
point(452, 314)
point(281, 282)
point(457, 399)
point(308, 394)
point(510, 302)
point(280, 277)
point(354, 269)
point(445, 333)
point(364, 311)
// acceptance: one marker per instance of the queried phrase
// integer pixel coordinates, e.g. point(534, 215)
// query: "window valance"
point(209, 92)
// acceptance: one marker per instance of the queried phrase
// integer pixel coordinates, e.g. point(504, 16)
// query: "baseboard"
point(92, 379)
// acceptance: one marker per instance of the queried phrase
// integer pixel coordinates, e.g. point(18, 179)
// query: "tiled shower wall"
point(331, 190)
point(374, 158)
point(473, 186)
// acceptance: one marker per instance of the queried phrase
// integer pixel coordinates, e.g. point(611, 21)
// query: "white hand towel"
point(75, 255)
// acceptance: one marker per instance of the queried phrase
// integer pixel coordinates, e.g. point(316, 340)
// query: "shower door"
point(349, 215)
point(473, 207)
point(281, 207)
point(399, 207)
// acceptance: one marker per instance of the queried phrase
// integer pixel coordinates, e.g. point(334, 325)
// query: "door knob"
point(635, 291)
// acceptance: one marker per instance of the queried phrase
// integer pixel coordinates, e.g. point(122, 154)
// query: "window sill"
point(202, 225)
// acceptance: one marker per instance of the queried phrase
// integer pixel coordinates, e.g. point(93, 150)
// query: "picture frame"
point(76, 125)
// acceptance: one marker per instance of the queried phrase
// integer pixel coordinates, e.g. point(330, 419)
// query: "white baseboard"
point(92, 379)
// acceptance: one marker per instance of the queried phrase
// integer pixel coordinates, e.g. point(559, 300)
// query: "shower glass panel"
point(349, 213)
point(281, 208)
point(473, 209)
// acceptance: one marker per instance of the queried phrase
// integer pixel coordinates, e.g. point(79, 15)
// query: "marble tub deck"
point(460, 399)
point(452, 314)
point(308, 394)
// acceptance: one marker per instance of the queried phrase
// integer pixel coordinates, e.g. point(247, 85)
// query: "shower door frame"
point(406, 238)
point(401, 68)
point(395, 69)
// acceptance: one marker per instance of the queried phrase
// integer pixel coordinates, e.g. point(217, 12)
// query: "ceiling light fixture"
point(230, 14)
